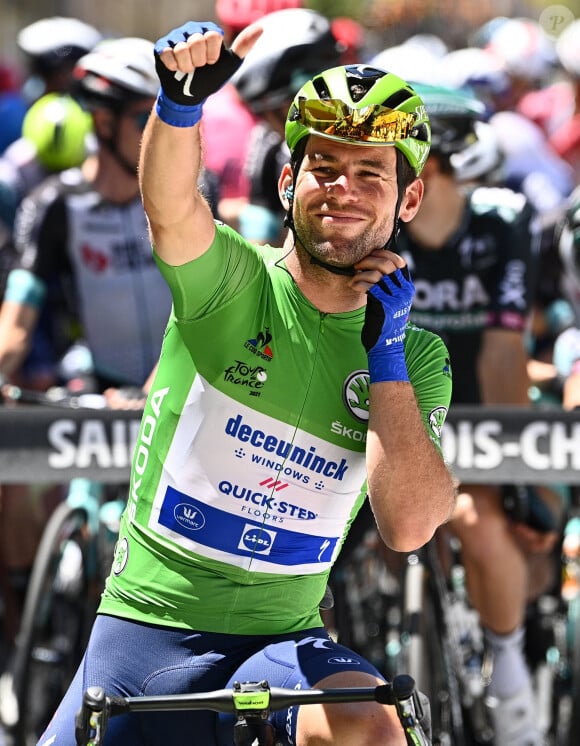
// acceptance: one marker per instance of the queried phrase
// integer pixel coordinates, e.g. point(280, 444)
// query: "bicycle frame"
point(252, 704)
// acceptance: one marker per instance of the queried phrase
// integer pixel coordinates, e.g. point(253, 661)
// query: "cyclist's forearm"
point(411, 490)
point(571, 392)
point(169, 169)
point(503, 350)
point(17, 322)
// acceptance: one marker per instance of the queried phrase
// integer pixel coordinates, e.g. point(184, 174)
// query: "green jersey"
point(250, 462)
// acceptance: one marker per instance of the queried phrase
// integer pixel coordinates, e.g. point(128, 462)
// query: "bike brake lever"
point(91, 719)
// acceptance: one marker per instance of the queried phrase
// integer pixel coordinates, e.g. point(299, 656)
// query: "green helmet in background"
point(58, 128)
point(363, 105)
point(452, 112)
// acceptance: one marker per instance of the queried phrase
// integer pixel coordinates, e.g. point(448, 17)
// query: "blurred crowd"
point(82, 304)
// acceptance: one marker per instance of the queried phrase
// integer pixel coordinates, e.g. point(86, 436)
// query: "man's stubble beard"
point(341, 252)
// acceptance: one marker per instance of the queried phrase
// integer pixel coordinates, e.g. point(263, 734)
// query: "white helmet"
point(482, 159)
point(525, 49)
point(411, 60)
point(476, 68)
point(58, 39)
point(568, 48)
point(117, 71)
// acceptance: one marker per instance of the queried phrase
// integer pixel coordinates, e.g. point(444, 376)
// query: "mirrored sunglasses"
point(334, 118)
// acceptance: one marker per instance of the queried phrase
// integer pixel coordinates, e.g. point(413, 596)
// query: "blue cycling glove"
point(181, 98)
point(383, 333)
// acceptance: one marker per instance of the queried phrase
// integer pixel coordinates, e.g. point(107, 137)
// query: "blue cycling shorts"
point(130, 659)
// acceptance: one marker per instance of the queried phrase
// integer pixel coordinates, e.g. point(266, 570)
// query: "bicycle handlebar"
point(65, 398)
point(250, 700)
point(57, 396)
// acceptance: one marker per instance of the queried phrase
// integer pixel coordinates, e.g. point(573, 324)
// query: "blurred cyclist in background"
point(228, 123)
point(556, 107)
point(566, 356)
point(565, 138)
point(50, 48)
point(516, 58)
point(84, 254)
point(56, 135)
point(527, 54)
point(54, 138)
point(82, 234)
point(471, 251)
point(296, 44)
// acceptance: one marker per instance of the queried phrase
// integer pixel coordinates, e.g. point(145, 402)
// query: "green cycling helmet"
point(363, 105)
point(58, 128)
point(452, 113)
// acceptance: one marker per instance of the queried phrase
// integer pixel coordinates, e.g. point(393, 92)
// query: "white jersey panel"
point(254, 492)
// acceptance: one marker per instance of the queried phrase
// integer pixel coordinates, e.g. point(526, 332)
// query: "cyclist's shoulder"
point(226, 236)
point(57, 188)
point(425, 343)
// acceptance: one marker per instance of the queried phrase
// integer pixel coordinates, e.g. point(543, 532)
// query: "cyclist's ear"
point(411, 200)
point(286, 186)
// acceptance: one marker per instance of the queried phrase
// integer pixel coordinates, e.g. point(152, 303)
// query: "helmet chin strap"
point(348, 271)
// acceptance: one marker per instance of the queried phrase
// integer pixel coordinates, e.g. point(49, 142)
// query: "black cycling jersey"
point(483, 277)
point(97, 256)
point(267, 153)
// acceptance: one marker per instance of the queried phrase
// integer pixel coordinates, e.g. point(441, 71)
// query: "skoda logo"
point(121, 556)
point(355, 393)
point(437, 420)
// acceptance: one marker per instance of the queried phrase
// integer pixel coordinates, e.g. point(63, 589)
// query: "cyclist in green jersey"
point(289, 386)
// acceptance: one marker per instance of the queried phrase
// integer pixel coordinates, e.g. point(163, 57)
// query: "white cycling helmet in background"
point(55, 40)
point(117, 72)
point(525, 49)
point(481, 159)
point(568, 49)
point(51, 46)
point(476, 68)
point(416, 59)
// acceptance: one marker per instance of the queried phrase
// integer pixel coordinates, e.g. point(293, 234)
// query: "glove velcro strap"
point(177, 115)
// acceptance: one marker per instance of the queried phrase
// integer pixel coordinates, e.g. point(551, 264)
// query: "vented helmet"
point(362, 105)
point(58, 128)
point(295, 45)
point(116, 72)
point(524, 48)
point(459, 132)
point(452, 114)
point(52, 42)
